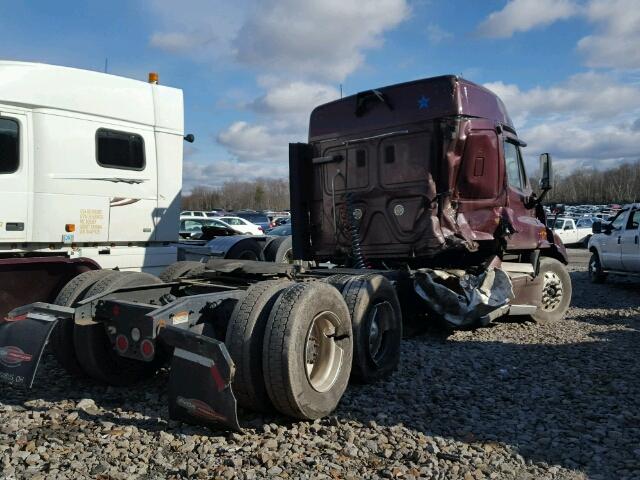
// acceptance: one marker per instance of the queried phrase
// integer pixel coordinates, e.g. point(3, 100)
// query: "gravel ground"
point(516, 400)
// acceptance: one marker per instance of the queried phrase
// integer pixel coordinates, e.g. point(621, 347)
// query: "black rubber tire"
point(246, 249)
point(361, 294)
point(272, 248)
point(548, 264)
point(61, 339)
point(339, 280)
point(596, 273)
point(181, 269)
point(585, 242)
point(283, 353)
point(279, 250)
point(244, 341)
point(93, 347)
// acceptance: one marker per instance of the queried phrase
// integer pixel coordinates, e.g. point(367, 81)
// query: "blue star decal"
point(423, 102)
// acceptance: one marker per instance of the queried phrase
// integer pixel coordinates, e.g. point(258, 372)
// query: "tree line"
point(260, 194)
point(619, 184)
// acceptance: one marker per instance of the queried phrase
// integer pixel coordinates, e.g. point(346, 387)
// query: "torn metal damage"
point(461, 299)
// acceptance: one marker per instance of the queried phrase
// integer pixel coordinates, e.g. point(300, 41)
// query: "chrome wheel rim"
point(380, 321)
point(551, 291)
point(323, 356)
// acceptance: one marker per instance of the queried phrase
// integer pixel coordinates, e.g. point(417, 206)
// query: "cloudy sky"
point(251, 71)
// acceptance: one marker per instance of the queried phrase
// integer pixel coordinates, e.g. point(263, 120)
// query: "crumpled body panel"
point(461, 298)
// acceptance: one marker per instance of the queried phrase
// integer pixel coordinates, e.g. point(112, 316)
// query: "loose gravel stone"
point(512, 401)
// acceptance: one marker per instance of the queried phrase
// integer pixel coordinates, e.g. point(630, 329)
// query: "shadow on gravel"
point(617, 292)
point(572, 404)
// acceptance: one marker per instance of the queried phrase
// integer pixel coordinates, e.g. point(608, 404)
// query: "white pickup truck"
point(570, 231)
point(615, 245)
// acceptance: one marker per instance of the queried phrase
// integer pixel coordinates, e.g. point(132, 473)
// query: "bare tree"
point(619, 184)
point(260, 194)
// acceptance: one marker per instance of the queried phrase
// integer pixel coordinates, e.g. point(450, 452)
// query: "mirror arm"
point(539, 199)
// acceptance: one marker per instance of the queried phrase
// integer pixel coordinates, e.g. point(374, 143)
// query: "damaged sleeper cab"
point(418, 196)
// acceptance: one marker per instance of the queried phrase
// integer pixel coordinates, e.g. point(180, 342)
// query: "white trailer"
point(90, 176)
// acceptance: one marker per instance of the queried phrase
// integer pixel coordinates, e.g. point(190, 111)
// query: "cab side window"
point(634, 220)
point(513, 162)
point(9, 146)
point(119, 150)
point(618, 222)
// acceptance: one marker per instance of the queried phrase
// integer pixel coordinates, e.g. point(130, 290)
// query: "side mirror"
point(596, 227)
point(546, 172)
point(607, 229)
point(189, 138)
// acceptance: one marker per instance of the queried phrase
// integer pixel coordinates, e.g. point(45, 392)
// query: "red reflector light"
point(147, 349)
point(122, 343)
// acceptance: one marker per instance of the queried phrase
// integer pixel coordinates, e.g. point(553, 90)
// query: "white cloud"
point(524, 15)
point(294, 98)
point(437, 34)
point(590, 120)
point(615, 45)
point(248, 142)
point(298, 49)
point(200, 29)
point(314, 39)
point(587, 95)
point(323, 39)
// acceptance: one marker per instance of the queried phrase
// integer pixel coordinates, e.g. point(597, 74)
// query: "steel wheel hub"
point(380, 321)
point(551, 291)
point(322, 355)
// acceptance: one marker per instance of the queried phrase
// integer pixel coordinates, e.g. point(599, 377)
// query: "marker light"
point(147, 349)
point(135, 334)
point(122, 344)
point(70, 227)
point(153, 78)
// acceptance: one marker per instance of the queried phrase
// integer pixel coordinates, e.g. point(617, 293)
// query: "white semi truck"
point(90, 177)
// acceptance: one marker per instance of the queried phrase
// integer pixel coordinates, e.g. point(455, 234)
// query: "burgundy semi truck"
point(410, 203)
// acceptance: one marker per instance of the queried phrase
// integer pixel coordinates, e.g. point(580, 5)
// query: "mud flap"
point(200, 380)
point(23, 336)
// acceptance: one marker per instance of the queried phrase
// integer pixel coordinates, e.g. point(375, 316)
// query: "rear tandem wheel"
point(94, 349)
point(61, 339)
point(307, 351)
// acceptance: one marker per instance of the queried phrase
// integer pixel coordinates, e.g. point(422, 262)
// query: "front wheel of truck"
point(556, 291)
point(596, 273)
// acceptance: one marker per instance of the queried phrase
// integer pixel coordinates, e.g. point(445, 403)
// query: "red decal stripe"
point(215, 373)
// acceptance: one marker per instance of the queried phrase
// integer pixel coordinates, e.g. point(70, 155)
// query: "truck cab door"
point(571, 233)
point(630, 243)
point(525, 223)
point(14, 176)
point(612, 242)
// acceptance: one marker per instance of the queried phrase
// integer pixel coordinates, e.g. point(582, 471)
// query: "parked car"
point(280, 247)
point(281, 231)
point(571, 231)
point(193, 213)
point(243, 225)
point(192, 226)
point(216, 212)
point(277, 221)
point(257, 218)
point(615, 246)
